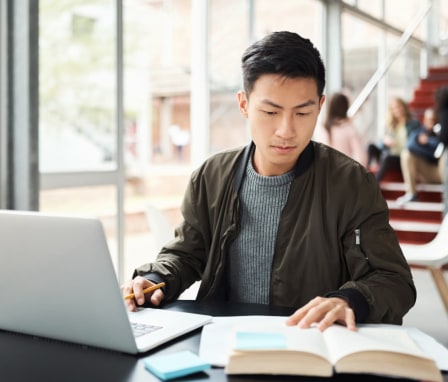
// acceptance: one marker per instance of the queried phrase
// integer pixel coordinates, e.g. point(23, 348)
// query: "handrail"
point(388, 61)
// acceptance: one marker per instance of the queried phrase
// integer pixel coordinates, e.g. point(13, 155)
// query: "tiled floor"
point(428, 314)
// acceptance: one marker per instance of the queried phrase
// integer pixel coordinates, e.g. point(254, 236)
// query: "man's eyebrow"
point(299, 106)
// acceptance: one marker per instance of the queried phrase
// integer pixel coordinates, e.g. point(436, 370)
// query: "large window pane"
point(157, 44)
point(371, 7)
point(444, 31)
point(400, 16)
point(301, 16)
point(361, 56)
point(77, 85)
point(227, 42)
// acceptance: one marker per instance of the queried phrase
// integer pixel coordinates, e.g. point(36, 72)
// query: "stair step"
point(438, 69)
point(392, 176)
point(415, 232)
point(430, 82)
point(430, 195)
point(423, 216)
point(416, 206)
point(407, 237)
point(400, 186)
point(423, 197)
point(414, 226)
point(438, 73)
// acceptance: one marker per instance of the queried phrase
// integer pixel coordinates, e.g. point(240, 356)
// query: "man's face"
point(282, 113)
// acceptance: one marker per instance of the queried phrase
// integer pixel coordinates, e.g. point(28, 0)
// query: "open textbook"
point(265, 345)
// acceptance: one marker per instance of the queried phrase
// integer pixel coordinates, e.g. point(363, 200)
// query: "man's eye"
point(302, 114)
point(269, 112)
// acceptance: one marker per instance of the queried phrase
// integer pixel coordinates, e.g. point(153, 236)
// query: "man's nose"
point(286, 127)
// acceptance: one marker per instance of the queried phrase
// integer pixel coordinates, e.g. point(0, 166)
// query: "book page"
point(342, 342)
point(295, 339)
point(216, 337)
point(430, 346)
point(384, 351)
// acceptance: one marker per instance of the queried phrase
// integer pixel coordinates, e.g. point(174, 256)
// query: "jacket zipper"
point(358, 244)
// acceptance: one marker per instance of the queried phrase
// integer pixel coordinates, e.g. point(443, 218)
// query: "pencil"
point(146, 290)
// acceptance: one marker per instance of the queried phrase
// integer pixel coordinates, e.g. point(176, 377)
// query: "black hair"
point(441, 98)
point(286, 54)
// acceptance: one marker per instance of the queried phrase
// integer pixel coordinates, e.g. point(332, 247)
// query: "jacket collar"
point(303, 163)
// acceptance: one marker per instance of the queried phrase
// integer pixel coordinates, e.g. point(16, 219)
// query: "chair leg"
point(441, 284)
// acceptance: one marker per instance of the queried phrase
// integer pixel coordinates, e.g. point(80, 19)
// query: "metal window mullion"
point(120, 141)
point(4, 174)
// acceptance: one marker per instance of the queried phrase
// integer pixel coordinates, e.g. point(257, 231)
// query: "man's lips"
point(283, 148)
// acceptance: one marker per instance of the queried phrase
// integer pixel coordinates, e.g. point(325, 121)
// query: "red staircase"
point(424, 94)
point(417, 222)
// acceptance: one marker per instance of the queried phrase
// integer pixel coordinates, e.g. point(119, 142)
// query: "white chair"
point(163, 231)
point(160, 226)
point(432, 256)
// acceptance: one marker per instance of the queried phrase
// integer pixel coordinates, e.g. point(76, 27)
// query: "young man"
point(285, 219)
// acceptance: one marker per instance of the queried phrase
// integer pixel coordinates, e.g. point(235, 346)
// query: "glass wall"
point(78, 86)
point(227, 42)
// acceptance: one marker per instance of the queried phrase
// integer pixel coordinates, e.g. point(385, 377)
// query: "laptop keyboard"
point(141, 329)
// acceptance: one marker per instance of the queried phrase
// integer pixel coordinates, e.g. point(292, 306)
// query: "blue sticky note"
point(174, 365)
point(259, 340)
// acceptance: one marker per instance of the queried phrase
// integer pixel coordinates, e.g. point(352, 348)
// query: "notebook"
point(57, 280)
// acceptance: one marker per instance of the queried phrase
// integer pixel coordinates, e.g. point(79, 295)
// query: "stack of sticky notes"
point(175, 365)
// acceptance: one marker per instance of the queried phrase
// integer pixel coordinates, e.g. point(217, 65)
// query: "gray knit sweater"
point(262, 200)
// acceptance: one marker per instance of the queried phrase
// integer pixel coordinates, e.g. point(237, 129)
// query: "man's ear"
point(242, 102)
point(322, 101)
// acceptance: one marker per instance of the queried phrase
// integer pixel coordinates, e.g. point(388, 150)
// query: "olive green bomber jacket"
point(333, 234)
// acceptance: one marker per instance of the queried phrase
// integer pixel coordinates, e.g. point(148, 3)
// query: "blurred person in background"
point(386, 156)
point(419, 162)
point(338, 130)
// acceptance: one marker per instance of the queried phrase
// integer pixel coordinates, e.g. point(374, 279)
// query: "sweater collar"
point(304, 161)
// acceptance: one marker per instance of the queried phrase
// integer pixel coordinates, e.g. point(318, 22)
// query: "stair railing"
point(388, 61)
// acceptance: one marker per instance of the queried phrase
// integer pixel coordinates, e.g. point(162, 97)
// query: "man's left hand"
point(323, 312)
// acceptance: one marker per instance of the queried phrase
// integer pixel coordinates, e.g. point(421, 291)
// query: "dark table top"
point(26, 358)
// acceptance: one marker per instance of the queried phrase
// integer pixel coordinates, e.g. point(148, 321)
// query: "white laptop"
point(57, 280)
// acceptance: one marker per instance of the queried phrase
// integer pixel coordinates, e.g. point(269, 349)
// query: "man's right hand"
point(136, 287)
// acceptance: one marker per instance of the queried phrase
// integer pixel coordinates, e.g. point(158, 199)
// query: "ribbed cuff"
point(356, 301)
point(156, 279)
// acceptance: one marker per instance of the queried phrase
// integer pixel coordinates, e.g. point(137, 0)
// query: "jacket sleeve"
point(374, 258)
